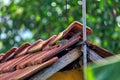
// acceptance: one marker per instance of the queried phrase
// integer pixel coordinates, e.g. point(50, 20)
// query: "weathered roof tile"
point(20, 63)
point(9, 54)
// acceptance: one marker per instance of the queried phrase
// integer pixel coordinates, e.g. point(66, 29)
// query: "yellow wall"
point(67, 75)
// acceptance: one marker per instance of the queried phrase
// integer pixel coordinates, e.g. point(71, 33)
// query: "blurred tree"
point(28, 20)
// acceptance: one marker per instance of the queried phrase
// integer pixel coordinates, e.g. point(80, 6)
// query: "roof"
point(22, 62)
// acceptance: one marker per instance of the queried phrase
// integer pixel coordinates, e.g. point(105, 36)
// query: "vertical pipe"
point(84, 39)
point(67, 11)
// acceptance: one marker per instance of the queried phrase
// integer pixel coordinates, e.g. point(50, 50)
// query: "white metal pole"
point(84, 39)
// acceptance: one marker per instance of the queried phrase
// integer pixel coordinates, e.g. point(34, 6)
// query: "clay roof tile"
point(22, 62)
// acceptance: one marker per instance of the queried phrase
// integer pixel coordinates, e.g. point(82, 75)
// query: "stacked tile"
point(19, 63)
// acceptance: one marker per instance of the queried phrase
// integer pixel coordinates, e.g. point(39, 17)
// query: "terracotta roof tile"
point(9, 54)
point(24, 63)
point(40, 45)
point(101, 51)
point(10, 65)
point(26, 72)
point(1, 56)
point(20, 63)
point(22, 50)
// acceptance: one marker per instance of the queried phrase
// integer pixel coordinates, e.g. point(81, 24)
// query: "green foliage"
point(105, 70)
point(28, 20)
